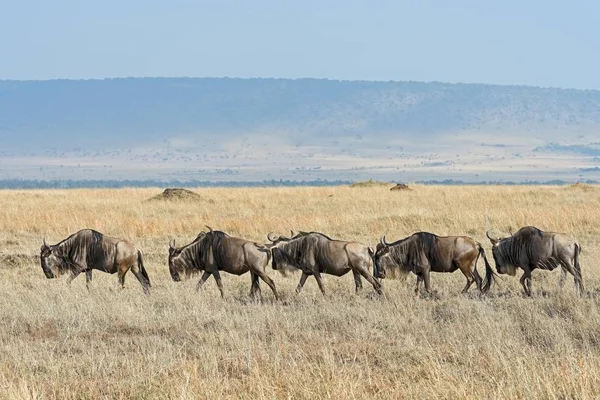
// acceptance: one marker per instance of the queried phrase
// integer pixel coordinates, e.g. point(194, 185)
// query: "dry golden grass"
point(67, 343)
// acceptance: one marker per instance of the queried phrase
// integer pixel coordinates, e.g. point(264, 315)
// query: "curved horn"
point(269, 237)
point(45, 244)
point(384, 242)
point(291, 233)
point(494, 241)
point(381, 241)
point(172, 243)
point(209, 228)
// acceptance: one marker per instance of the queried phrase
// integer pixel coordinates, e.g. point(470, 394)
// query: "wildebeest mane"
point(294, 250)
point(408, 251)
point(83, 248)
point(509, 250)
point(195, 254)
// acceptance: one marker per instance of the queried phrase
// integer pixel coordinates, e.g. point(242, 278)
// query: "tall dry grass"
point(67, 343)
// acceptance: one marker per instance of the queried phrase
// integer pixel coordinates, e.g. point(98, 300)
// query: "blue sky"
point(540, 43)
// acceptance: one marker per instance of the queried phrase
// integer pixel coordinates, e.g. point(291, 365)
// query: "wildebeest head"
point(503, 266)
point(382, 260)
point(53, 264)
point(385, 264)
point(176, 264)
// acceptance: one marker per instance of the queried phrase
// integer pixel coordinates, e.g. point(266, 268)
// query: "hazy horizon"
point(293, 79)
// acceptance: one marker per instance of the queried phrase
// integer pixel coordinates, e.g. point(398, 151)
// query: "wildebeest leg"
point(122, 278)
point(320, 282)
point(203, 279)
point(74, 274)
point(578, 284)
point(88, 278)
point(427, 281)
point(526, 281)
point(357, 281)
point(563, 277)
point(135, 269)
point(470, 278)
point(217, 276)
point(376, 285)
point(255, 285)
point(267, 279)
point(418, 288)
point(302, 282)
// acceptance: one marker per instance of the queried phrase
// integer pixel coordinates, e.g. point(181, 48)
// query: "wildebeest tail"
point(142, 269)
point(489, 272)
point(577, 265)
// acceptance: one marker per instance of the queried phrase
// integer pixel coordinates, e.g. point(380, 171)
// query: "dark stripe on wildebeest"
point(215, 251)
point(88, 249)
point(314, 254)
point(424, 252)
point(530, 248)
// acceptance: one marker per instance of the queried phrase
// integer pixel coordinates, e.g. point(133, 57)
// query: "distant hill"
point(92, 117)
point(87, 112)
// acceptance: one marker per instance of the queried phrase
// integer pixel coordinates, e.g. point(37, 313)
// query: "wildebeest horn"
point(209, 228)
point(269, 237)
point(172, 243)
point(384, 242)
point(45, 244)
point(491, 238)
point(291, 233)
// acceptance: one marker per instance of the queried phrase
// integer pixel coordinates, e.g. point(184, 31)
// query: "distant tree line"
point(92, 184)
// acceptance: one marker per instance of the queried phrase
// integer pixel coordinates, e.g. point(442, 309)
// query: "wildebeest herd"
point(315, 254)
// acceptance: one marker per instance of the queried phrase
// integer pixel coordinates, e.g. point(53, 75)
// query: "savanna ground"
point(67, 343)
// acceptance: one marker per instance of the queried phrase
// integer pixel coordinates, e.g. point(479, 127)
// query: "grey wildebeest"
point(216, 251)
point(88, 249)
point(314, 254)
point(530, 248)
point(423, 253)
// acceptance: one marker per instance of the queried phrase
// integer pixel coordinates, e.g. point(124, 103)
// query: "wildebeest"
point(88, 249)
point(216, 251)
point(314, 253)
point(530, 248)
point(424, 252)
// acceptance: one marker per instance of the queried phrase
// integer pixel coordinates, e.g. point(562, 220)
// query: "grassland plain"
point(67, 343)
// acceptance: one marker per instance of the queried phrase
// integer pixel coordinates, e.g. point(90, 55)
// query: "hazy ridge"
point(193, 124)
